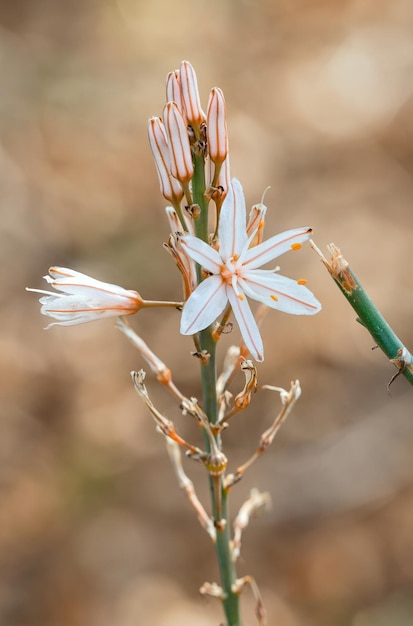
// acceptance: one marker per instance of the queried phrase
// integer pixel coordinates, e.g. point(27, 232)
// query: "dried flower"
point(84, 299)
point(234, 274)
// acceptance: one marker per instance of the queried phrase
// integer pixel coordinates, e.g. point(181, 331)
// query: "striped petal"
point(232, 222)
point(279, 292)
point(274, 247)
point(247, 324)
point(202, 253)
point(204, 305)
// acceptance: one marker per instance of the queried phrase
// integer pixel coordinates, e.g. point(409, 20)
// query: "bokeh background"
point(93, 528)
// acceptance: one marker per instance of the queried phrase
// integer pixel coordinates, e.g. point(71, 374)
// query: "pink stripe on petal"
point(203, 306)
point(202, 253)
point(232, 222)
point(291, 297)
point(274, 247)
point(247, 325)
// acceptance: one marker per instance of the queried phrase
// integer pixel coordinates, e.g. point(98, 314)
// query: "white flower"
point(234, 274)
point(84, 299)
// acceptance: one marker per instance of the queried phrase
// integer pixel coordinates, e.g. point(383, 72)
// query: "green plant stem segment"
point(223, 546)
point(227, 568)
point(226, 565)
point(368, 314)
point(198, 191)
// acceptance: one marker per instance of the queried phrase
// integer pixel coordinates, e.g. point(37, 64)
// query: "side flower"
point(234, 275)
point(84, 299)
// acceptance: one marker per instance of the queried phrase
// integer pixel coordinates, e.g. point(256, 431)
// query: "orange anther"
point(240, 296)
point(274, 298)
point(302, 281)
point(295, 246)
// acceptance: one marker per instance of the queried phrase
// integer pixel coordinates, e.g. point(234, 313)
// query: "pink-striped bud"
point(173, 90)
point(190, 95)
point(84, 299)
point(178, 142)
point(217, 134)
point(170, 187)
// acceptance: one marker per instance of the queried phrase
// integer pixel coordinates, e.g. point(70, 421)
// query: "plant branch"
point(368, 314)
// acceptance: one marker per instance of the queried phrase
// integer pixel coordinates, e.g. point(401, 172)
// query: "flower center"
point(229, 269)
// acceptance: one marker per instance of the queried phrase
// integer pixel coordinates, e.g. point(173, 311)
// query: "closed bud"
point(170, 187)
point(178, 142)
point(190, 96)
point(217, 134)
point(173, 90)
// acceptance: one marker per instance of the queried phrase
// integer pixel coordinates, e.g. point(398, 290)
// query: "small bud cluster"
point(220, 270)
point(185, 132)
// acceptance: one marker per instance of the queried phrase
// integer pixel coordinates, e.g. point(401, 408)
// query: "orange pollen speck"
point(240, 296)
point(274, 298)
point(296, 246)
point(235, 257)
point(261, 224)
point(302, 281)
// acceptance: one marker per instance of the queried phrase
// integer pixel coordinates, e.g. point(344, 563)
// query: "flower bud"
point(217, 134)
point(173, 90)
point(190, 95)
point(178, 142)
point(170, 187)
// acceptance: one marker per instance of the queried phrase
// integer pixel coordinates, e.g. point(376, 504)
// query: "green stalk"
point(227, 568)
point(223, 547)
point(210, 406)
point(368, 314)
point(198, 190)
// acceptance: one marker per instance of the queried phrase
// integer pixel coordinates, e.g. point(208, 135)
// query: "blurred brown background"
point(93, 528)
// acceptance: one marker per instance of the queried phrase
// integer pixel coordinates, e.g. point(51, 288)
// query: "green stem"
point(221, 519)
point(198, 190)
point(219, 501)
point(227, 568)
point(368, 314)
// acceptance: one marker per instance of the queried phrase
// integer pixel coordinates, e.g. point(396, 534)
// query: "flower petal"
point(69, 311)
point(204, 305)
point(202, 253)
point(274, 247)
point(75, 283)
point(279, 292)
point(232, 222)
point(247, 324)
